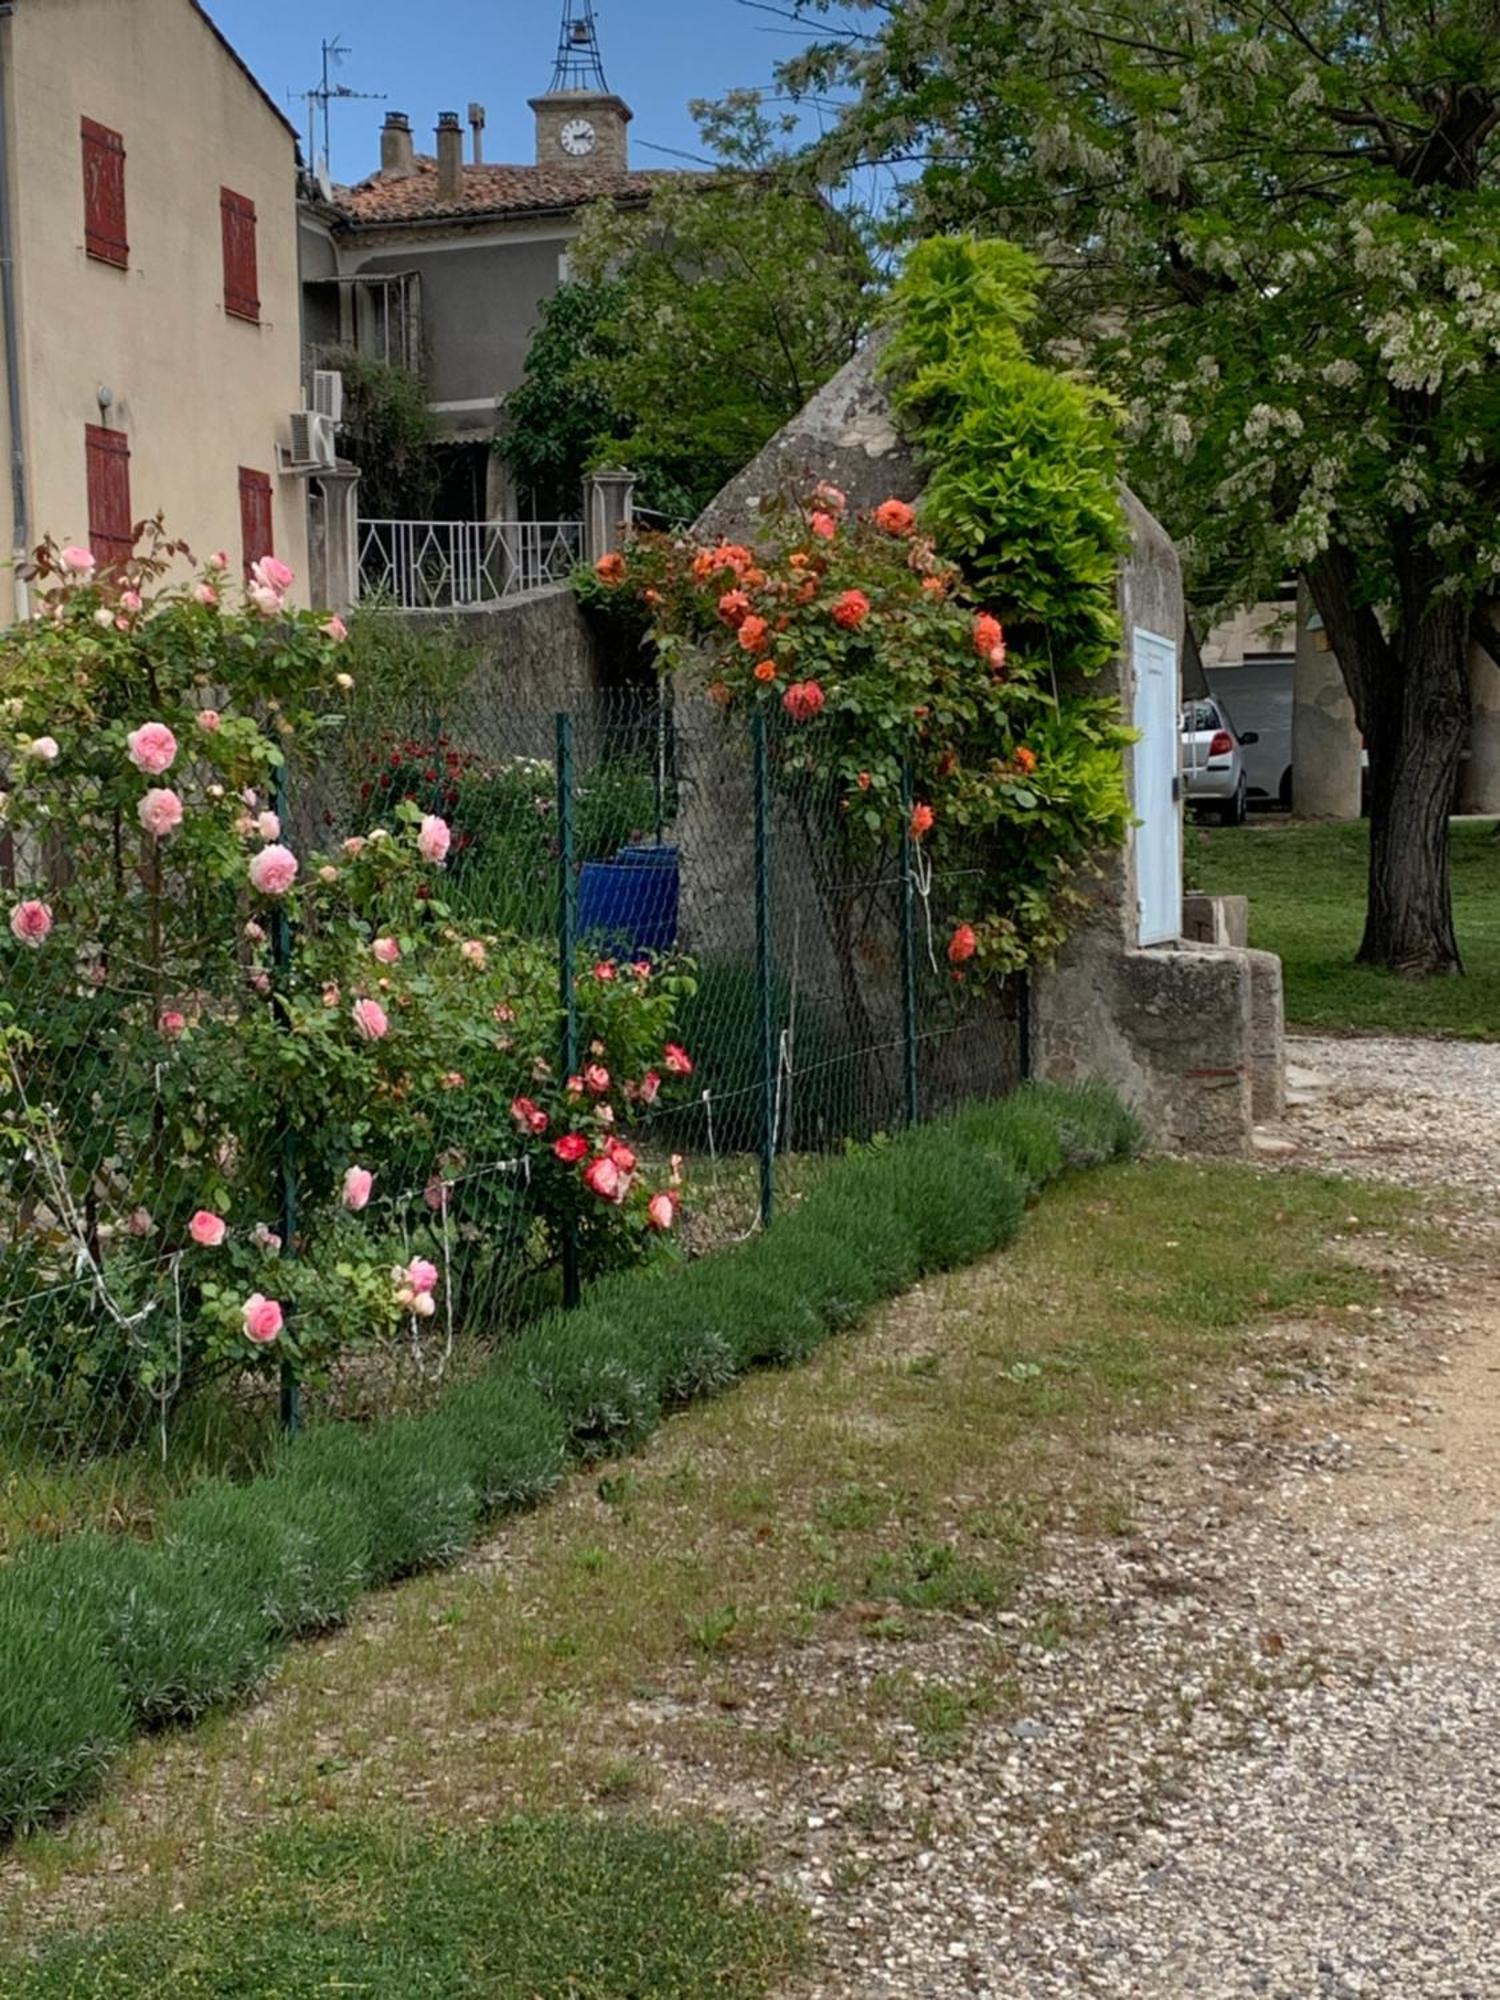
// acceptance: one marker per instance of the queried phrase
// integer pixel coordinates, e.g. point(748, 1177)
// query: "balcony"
point(462, 565)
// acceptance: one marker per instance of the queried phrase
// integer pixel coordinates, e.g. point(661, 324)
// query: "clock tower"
point(580, 122)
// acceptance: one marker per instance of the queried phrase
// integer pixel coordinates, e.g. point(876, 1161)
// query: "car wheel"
point(1238, 808)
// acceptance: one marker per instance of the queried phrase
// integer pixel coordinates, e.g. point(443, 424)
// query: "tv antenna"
point(322, 96)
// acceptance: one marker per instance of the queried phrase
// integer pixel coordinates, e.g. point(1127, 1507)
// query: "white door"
point(1158, 807)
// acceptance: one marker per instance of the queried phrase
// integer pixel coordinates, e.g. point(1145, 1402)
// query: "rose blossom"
point(261, 981)
point(44, 749)
point(80, 561)
point(851, 610)
point(344, 683)
point(421, 1275)
point(268, 826)
point(824, 527)
point(434, 838)
point(622, 1156)
point(262, 1318)
point(435, 1194)
point(830, 497)
point(266, 1238)
point(354, 846)
point(605, 971)
point(267, 602)
point(922, 817)
point(895, 517)
point(358, 1182)
point(571, 1148)
point(677, 1060)
point(804, 701)
point(650, 1087)
point(139, 1222)
point(206, 595)
point(207, 1229)
point(661, 1211)
point(130, 600)
point(596, 1079)
point(370, 1022)
point(386, 950)
point(209, 720)
point(30, 923)
point(334, 628)
point(473, 952)
point(172, 1023)
point(160, 813)
point(602, 1177)
point(273, 870)
point(424, 1305)
point(753, 635)
point(331, 995)
point(989, 639)
point(105, 620)
point(962, 945)
point(272, 574)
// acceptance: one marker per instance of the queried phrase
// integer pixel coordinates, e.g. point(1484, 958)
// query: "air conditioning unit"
point(328, 394)
point(314, 441)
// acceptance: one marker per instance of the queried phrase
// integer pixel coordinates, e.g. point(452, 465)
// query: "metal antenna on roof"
point(579, 63)
point(322, 95)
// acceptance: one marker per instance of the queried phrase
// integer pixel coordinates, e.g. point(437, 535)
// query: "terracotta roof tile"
point(485, 191)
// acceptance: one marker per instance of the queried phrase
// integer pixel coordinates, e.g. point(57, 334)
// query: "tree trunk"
point(1411, 694)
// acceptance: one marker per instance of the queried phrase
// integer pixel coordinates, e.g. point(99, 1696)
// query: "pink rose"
point(219, 560)
point(266, 1238)
point(435, 1194)
point(421, 1275)
point(596, 1079)
point(622, 1156)
point(357, 1185)
point(140, 1223)
point(331, 995)
point(571, 1148)
point(43, 749)
point(661, 1211)
point(267, 602)
point(473, 952)
point(272, 574)
point(206, 595)
point(354, 846)
point(434, 838)
point(207, 1229)
point(650, 1087)
point(263, 1319)
point(261, 981)
point(386, 950)
point(152, 748)
point(677, 1060)
point(604, 971)
point(603, 1178)
point(130, 600)
point(209, 720)
point(273, 871)
point(31, 923)
point(334, 628)
point(172, 1023)
point(79, 561)
point(160, 813)
point(268, 826)
point(370, 1022)
point(824, 527)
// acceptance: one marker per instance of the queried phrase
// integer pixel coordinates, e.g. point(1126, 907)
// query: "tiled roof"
point(489, 191)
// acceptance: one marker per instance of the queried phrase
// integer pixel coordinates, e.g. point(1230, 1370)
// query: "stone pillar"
point(1479, 774)
point(333, 539)
point(1326, 747)
point(607, 512)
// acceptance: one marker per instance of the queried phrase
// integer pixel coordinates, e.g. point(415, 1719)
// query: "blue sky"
point(439, 54)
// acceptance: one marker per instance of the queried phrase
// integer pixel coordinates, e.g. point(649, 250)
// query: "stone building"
point(150, 327)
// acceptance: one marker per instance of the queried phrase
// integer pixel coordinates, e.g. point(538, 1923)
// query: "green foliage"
point(411, 1481)
point(188, 1622)
point(529, 1909)
point(63, 1717)
point(391, 434)
point(301, 1556)
point(557, 420)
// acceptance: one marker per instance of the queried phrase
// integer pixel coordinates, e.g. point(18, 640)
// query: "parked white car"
point(1213, 762)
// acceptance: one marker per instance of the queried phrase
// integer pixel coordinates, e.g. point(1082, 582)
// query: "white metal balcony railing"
point(462, 565)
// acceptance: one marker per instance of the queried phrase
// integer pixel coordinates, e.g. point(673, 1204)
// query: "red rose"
point(571, 1148)
point(804, 701)
point(851, 610)
point(962, 945)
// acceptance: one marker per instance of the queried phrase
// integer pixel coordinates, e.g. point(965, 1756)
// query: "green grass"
point(553, 1908)
point(1306, 886)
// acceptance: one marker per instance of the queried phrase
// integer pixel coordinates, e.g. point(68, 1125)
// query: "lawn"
point(901, 1483)
point(1306, 886)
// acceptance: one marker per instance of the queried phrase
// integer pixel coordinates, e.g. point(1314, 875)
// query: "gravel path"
point(1270, 1770)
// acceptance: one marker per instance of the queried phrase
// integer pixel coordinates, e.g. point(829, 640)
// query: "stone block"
point(1223, 920)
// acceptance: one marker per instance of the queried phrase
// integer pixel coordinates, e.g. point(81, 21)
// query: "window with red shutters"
point(110, 524)
point(104, 195)
point(256, 536)
point(241, 278)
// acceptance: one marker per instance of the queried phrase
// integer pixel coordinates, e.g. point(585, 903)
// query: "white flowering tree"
point(1274, 227)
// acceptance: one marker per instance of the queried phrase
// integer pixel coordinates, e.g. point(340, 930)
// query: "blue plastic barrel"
point(630, 905)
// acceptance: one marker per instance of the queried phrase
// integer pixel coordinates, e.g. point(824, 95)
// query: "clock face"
point(579, 138)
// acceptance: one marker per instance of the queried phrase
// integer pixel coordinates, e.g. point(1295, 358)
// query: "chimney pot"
point(476, 126)
point(450, 155)
point(397, 159)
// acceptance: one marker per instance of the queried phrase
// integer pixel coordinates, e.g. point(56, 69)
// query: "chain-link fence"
point(692, 897)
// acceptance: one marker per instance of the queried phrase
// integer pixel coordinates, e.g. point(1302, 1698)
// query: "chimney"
point(450, 155)
point(476, 126)
point(396, 156)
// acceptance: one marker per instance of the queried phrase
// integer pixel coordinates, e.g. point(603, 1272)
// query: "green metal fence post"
point(286, 1166)
point(910, 1091)
point(567, 952)
point(764, 993)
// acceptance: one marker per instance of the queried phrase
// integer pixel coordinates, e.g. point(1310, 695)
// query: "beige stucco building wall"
point(197, 392)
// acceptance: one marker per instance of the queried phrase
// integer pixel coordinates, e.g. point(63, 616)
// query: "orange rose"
point(922, 817)
point(610, 569)
point(753, 635)
point(895, 517)
point(766, 671)
point(1025, 760)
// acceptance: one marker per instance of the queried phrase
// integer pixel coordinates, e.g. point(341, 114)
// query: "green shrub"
point(183, 1630)
point(517, 1443)
point(63, 1716)
point(304, 1555)
point(685, 1354)
point(960, 1203)
point(412, 1482)
point(859, 1206)
point(599, 1383)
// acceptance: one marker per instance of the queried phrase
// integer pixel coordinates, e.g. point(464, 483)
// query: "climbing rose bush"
point(194, 1006)
point(869, 652)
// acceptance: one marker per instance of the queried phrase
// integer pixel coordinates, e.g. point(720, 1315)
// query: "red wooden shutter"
point(104, 195)
point(255, 516)
point(241, 278)
point(111, 529)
